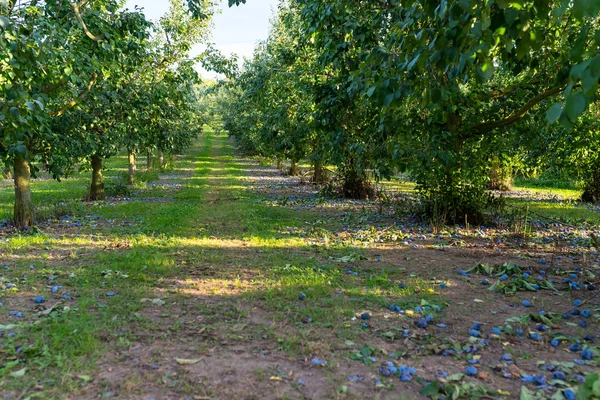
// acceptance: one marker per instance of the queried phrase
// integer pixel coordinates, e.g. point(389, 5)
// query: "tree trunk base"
point(358, 189)
point(293, 171)
point(590, 196)
point(319, 175)
point(132, 167)
point(149, 161)
point(24, 214)
point(97, 186)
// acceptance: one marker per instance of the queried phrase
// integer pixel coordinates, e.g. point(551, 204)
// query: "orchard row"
point(456, 93)
point(83, 81)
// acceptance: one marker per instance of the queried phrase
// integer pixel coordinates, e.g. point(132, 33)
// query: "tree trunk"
point(293, 168)
point(499, 176)
point(591, 187)
point(161, 159)
point(355, 185)
point(97, 187)
point(279, 164)
point(149, 161)
point(319, 173)
point(132, 167)
point(24, 216)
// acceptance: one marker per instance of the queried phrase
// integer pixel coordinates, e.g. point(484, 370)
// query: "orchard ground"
point(191, 288)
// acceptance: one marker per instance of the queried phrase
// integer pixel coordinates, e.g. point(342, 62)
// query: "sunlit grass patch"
point(567, 194)
point(569, 212)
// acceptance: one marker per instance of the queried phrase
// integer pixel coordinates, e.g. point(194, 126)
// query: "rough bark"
point(293, 168)
point(97, 187)
point(591, 189)
point(149, 161)
point(24, 213)
point(132, 166)
point(319, 173)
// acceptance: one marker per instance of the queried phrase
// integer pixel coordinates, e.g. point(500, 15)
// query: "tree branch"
point(50, 88)
point(80, 97)
point(82, 23)
point(516, 115)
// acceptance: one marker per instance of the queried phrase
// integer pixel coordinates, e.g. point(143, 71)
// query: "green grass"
point(548, 183)
point(567, 194)
point(230, 265)
point(137, 248)
point(569, 212)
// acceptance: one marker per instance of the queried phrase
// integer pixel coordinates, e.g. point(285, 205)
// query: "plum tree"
point(432, 87)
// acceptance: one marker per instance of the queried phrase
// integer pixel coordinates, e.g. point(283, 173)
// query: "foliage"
point(83, 80)
point(439, 90)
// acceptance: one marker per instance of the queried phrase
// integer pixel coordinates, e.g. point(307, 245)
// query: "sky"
point(236, 29)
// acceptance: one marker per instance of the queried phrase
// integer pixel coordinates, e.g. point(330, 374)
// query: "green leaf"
point(595, 67)
point(18, 374)
point(431, 389)
point(577, 70)
point(586, 391)
point(4, 22)
point(8, 366)
point(554, 112)
point(366, 351)
point(527, 394)
point(575, 106)
point(413, 62)
point(371, 91)
point(14, 112)
point(455, 377)
point(21, 149)
point(388, 99)
point(40, 104)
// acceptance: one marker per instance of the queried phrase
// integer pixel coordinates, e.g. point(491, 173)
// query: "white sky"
point(236, 29)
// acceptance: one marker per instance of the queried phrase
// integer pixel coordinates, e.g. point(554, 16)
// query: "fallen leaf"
point(483, 375)
point(19, 373)
point(515, 371)
point(48, 311)
point(185, 361)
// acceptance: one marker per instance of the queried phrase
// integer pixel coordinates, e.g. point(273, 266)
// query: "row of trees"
point(80, 81)
point(445, 90)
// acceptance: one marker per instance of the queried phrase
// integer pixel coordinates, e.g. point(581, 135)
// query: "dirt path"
point(247, 285)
